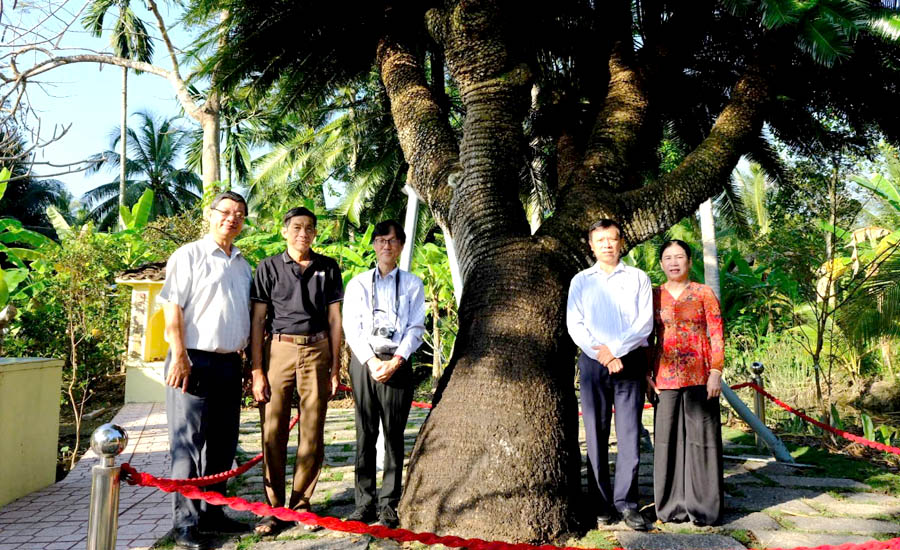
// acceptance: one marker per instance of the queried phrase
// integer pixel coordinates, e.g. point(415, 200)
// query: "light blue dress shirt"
point(406, 315)
point(614, 309)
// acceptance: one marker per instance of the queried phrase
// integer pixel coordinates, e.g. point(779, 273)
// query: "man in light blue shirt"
point(609, 316)
point(384, 320)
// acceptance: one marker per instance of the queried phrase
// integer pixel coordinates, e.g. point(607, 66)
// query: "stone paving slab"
point(830, 482)
point(787, 539)
point(847, 525)
point(675, 541)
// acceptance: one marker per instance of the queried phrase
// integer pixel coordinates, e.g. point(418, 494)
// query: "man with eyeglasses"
point(206, 302)
point(295, 341)
point(384, 319)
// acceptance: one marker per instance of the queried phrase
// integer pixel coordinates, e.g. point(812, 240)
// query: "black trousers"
point(687, 463)
point(203, 428)
point(388, 404)
point(599, 391)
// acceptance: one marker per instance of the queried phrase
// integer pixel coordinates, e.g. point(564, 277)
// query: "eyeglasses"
point(384, 242)
point(236, 215)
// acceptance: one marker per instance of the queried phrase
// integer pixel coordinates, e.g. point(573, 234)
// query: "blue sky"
point(88, 96)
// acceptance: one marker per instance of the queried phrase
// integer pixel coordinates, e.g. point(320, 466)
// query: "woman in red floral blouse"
point(687, 377)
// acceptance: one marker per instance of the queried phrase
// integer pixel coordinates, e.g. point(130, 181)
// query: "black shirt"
point(297, 303)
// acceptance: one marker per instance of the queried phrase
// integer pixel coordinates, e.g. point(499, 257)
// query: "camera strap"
point(396, 297)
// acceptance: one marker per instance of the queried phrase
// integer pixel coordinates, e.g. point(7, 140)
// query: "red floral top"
point(689, 340)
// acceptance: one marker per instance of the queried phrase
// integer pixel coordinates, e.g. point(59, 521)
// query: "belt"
point(301, 339)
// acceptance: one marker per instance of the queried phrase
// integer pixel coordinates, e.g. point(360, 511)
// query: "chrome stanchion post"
point(107, 441)
point(759, 401)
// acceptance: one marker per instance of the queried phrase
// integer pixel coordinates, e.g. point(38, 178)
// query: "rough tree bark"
point(498, 456)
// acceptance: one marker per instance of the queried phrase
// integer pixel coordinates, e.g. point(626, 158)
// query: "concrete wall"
point(144, 382)
point(29, 425)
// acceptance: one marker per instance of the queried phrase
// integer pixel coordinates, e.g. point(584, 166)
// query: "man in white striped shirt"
point(609, 316)
point(384, 319)
point(206, 304)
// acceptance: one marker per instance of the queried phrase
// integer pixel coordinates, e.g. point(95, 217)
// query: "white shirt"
point(614, 309)
point(213, 291)
point(406, 315)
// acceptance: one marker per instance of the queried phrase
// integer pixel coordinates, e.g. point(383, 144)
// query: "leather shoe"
point(365, 515)
point(223, 525)
point(190, 538)
point(388, 517)
point(607, 518)
point(635, 520)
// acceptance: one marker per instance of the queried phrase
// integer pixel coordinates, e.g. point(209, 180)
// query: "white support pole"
point(454, 268)
point(409, 225)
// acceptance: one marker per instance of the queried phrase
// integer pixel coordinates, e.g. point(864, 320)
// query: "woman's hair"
point(676, 242)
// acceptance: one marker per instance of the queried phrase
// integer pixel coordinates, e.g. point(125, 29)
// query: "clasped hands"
point(382, 370)
point(607, 359)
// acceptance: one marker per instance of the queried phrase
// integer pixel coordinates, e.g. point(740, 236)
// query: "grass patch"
point(833, 465)
point(247, 542)
point(347, 448)
point(165, 544)
point(594, 539)
point(304, 536)
point(742, 536)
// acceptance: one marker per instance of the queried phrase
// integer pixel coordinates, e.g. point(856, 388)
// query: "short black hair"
point(230, 195)
point(384, 228)
point(604, 223)
point(676, 242)
point(298, 211)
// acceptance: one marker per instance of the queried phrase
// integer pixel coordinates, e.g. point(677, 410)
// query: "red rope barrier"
point(190, 489)
point(846, 435)
point(379, 531)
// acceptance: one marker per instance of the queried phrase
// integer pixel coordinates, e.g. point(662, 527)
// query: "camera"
point(383, 332)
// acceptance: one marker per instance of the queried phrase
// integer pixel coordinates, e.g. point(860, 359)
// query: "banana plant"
point(19, 245)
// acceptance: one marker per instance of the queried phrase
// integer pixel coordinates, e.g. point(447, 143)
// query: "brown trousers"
point(308, 368)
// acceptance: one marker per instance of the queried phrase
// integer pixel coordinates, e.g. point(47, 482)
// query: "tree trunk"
point(124, 140)
point(498, 457)
point(710, 250)
point(209, 157)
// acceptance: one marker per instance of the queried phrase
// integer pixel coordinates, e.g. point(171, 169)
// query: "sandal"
point(268, 525)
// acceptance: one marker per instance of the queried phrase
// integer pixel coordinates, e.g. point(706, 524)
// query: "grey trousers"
point(687, 461)
point(203, 428)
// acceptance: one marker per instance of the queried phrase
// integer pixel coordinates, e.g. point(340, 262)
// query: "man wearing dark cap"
point(206, 303)
point(295, 343)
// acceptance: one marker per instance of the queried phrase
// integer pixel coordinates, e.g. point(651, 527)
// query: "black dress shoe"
point(223, 525)
point(635, 520)
point(607, 518)
point(365, 515)
point(190, 538)
point(388, 517)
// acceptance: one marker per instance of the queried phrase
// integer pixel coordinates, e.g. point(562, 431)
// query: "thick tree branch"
point(424, 133)
point(494, 88)
point(660, 205)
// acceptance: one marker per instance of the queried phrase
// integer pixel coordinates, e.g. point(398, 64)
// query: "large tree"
point(569, 100)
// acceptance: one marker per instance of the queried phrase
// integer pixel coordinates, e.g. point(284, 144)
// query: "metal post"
point(107, 442)
point(759, 402)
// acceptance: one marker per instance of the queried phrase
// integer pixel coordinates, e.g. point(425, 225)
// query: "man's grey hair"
point(230, 195)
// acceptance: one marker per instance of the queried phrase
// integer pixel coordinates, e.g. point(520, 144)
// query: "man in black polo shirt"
point(296, 299)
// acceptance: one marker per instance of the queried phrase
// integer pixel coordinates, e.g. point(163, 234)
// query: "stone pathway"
point(768, 504)
point(56, 517)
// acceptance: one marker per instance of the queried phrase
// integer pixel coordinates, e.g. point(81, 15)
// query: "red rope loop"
point(400, 535)
point(846, 435)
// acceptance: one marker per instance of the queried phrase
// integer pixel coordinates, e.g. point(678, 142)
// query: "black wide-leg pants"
point(599, 392)
point(687, 463)
point(388, 404)
point(203, 428)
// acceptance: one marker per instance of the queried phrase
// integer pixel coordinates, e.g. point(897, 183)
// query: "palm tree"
point(155, 147)
point(129, 40)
